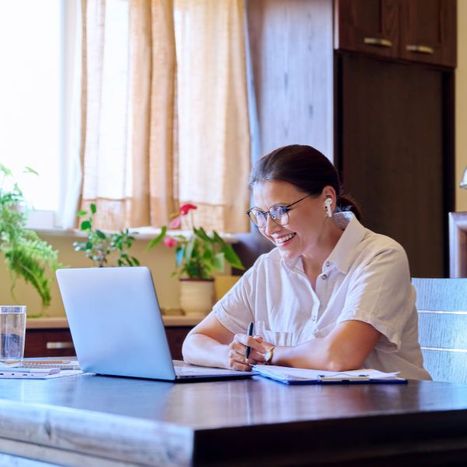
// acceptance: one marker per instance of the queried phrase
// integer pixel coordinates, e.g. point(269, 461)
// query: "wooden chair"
point(442, 315)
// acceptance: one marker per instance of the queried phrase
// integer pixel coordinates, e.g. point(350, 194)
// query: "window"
point(44, 121)
point(35, 41)
point(31, 95)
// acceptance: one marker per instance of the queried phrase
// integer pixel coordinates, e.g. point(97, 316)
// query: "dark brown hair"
point(307, 169)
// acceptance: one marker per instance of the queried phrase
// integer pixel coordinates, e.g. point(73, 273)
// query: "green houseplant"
point(99, 246)
point(26, 254)
point(198, 257)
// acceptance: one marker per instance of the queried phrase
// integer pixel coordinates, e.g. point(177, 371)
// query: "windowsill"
point(43, 222)
point(140, 233)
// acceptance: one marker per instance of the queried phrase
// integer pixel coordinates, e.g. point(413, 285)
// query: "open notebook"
point(117, 328)
point(288, 375)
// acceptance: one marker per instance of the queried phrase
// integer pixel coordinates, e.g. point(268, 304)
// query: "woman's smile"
point(283, 239)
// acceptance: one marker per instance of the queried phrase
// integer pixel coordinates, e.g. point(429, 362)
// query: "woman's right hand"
point(236, 356)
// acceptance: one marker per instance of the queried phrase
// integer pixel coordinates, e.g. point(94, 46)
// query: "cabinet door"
point(48, 343)
point(428, 31)
point(396, 153)
point(369, 26)
point(175, 337)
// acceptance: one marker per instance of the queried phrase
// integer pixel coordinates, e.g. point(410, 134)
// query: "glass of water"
point(12, 332)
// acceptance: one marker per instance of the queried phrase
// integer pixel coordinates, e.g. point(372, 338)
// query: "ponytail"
point(347, 203)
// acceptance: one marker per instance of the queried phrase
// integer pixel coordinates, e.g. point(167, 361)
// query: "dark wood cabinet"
point(176, 335)
point(369, 26)
point(50, 342)
point(416, 30)
point(395, 153)
point(383, 115)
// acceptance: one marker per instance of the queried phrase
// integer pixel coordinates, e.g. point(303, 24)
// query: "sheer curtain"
point(164, 111)
point(213, 111)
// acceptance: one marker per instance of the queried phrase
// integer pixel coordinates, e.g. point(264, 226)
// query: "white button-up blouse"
point(365, 278)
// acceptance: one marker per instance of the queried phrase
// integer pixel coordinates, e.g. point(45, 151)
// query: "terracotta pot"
point(196, 296)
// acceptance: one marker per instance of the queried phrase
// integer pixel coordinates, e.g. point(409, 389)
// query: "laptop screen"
point(115, 321)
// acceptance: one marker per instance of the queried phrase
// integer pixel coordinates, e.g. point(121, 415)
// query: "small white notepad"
point(35, 373)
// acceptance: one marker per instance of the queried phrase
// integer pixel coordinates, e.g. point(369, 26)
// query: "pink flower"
point(170, 242)
point(186, 208)
point(175, 223)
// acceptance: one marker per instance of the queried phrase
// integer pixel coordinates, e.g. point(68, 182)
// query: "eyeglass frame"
point(286, 208)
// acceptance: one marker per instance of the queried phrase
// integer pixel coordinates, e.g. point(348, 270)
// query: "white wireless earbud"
point(328, 206)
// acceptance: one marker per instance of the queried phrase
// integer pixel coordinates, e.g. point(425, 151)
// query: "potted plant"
point(26, 254)
point(99, 246)
point(198, 257)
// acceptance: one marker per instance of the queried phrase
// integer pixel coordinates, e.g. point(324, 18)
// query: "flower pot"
point(196, 296)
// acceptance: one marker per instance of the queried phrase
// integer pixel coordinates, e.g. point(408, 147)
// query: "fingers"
point(236, 357)
point(255, 342)
point(237, 352)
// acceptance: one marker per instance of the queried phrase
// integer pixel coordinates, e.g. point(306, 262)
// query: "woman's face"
point(306, 227)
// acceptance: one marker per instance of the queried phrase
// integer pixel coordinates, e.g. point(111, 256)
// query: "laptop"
point(117, 328)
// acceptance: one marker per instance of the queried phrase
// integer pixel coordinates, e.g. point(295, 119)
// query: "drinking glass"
point(12, 332)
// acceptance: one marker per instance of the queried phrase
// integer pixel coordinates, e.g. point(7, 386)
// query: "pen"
point(249, 334)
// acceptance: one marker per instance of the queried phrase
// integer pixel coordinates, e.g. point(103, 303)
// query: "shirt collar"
point(345, 250)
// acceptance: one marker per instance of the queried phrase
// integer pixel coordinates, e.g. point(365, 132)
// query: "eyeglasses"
point(279, 214)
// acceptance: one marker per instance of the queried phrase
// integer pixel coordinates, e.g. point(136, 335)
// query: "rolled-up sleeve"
point(234, 309)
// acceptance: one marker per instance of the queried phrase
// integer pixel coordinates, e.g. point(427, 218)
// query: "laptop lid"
point(117, 327)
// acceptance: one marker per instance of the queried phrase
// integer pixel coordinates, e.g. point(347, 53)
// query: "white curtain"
point(70, 164)
point(165, 115)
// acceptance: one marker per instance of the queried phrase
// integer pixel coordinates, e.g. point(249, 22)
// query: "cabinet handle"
point(377, 42)
point(421, 49)
point(58, 345)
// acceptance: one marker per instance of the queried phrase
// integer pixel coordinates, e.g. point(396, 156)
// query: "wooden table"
point(88, 419)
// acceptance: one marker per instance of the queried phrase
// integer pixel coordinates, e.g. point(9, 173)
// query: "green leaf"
point(156, 240)
point(218, 261)
point(79, 246)
point(5, 170)
point(29, 170)
point(93, 208)
point(85, 225)
point(232, 257)
point(190, 249)
point(218, 238)
point(201, 233)
point(100, 234)
point(81, 213)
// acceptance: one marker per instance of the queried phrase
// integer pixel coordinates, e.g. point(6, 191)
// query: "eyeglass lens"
point(279, 214)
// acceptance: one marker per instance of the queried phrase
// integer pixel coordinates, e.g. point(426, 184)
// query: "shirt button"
point(324, 276)
point(313, 318)
point(327, 264)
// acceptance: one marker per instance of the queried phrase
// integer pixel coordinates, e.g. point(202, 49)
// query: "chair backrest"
point(442, 324)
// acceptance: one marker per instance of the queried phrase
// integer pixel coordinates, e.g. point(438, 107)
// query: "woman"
point(332, 295)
